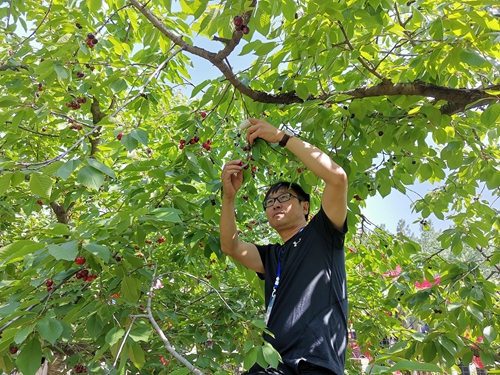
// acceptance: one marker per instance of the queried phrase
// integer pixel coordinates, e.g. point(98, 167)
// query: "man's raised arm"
point(243, 252)
point(334, 199)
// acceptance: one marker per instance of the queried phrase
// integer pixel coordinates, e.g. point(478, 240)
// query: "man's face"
point(287, 212)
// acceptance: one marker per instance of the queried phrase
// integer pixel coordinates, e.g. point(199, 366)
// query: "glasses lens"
point(284, 197)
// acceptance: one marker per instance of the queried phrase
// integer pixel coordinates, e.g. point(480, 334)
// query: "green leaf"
point(141, 333)
point(447, 344)
point(5, 182)
point(50, 329)
point(94, 326)
point(136, 354)
point(490, 115)
point(271, 355)
point(99, 251)
point(61, 71)
point(65, 251)
point(67, 168)
point(17, 250)
point(250, 358)
point(94, 5)
point(101, 167)
point(302, 91)
point(140, 135)
point(490, 333)
point(476, 312)
point(118, 86)
point(90, 177)
point(114, 335)
point(41, 185)
point(432, 113)
point(130, 289)
point(429, 352)
point(30, 357)
point(9, 309)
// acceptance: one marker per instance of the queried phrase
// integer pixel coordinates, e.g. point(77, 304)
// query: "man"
point(305, 279)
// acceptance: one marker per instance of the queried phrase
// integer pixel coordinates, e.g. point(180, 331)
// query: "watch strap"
point(284, 140)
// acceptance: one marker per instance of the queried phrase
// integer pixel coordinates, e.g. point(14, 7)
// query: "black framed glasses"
point(285, 197)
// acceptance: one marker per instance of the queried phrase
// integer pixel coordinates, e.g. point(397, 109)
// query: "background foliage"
point(91, 165)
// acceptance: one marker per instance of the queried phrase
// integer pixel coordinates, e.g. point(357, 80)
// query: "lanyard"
point(275, 287)
point(276, 284)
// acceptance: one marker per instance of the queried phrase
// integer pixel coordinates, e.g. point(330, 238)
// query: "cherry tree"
point(110, 158)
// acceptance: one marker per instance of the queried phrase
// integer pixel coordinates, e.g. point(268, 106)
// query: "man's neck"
point(288, 233)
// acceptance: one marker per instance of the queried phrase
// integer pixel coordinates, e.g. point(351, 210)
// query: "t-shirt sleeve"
point(263, 251)
point(326, 227)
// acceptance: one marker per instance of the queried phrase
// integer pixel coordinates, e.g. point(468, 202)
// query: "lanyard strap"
point(276, 283)
point(275, 288)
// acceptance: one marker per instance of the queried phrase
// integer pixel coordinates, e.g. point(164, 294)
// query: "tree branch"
point(457, 99)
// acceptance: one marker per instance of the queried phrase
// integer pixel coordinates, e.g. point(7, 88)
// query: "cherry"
point(201, 245)
point(245, 197)
point(118, 259)
point(238, 21)
point(203, 114)
point(299, 170)
point(192, 141)
point(161, 240)
point(181, 146)
point(49, 282)
point(78, 26)
point(80, 260)
point(39, 202)
point(183, 141)
point(254, 169)
point(13, 350)
point(78, 127)
point(119, 136)
point(241, 163)
point(247, 148)
point(80, 74)
point(206, 146)
point(358, 198)
point(208, 277)
point(90, 36)
point(196, 138)
point(95, 41)
point(380, 133)
point(245, 29)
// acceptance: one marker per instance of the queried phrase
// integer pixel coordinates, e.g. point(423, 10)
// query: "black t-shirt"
point(309, 316)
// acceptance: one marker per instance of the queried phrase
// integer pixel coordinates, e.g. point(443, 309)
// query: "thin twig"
point(156, 72)
point(39, 25)
point(122, 345)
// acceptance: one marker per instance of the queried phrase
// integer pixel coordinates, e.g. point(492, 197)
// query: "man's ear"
point(306, 207)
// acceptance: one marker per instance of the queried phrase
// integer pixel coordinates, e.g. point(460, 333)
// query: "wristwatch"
point(284, 140)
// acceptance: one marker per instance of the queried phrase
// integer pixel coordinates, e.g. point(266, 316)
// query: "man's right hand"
point(232, 178)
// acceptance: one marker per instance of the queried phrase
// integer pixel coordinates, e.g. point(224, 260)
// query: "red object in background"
point(477, 362)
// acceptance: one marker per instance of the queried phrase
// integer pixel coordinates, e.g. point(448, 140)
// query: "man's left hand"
point(263, 130)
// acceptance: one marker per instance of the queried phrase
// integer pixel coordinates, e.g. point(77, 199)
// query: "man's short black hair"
point(286, 185)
